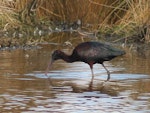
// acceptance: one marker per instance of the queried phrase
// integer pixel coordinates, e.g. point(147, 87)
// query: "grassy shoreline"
point(124, 20)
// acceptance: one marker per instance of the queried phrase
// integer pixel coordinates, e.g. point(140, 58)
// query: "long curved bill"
point(49, 66)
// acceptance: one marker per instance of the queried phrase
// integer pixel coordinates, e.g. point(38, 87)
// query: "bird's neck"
point(67, 58)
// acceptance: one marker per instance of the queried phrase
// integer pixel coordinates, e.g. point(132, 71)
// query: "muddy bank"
point(54, 32)
point(31, 35)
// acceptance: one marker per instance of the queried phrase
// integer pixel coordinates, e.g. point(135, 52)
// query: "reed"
point(136, 20)
point(123, 17)
point(7, 15)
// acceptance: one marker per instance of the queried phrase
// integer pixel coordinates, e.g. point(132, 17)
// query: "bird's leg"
point(91, 67)
point(91, 83)
point(107, 72)
point(92, 73)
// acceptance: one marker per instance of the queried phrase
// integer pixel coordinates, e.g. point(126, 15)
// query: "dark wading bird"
point(90, 53)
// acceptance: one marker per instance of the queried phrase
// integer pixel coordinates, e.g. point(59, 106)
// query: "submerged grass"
point(129, 19)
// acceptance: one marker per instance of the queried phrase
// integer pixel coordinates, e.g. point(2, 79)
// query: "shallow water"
point(24, 87)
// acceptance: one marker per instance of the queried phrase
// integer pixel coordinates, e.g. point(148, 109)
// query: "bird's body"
point(90, 53)
point(95, 52)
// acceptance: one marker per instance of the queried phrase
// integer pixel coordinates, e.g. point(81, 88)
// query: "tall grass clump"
point(7, 14)
point(126, 18)
point(136, 20)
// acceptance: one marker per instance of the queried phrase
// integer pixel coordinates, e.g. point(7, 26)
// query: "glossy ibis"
point(90, 53)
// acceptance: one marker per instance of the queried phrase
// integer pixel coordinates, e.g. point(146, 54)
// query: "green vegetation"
point(128, 19)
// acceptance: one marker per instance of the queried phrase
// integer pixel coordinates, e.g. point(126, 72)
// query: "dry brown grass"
point(7, 13)
point(125, 17)
point(137, 17)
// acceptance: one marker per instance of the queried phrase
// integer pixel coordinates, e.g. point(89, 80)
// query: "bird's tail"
point(118, 52)
point(122, 52)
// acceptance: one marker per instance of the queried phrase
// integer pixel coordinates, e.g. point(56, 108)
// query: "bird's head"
point(56, 55)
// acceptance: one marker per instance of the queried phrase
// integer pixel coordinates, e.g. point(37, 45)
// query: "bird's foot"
point(108, 77)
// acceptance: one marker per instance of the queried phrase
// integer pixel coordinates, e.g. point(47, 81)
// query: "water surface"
point(24, 87)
